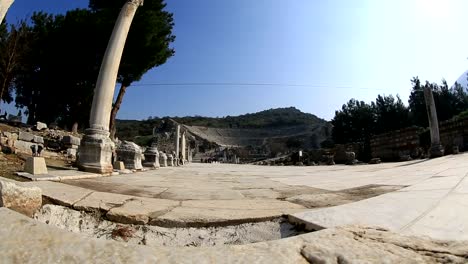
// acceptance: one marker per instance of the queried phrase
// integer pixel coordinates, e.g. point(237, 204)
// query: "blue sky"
point(343, 49)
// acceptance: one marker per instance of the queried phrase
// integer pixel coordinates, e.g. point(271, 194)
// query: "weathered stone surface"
point(71, 152)
point(25, 200)
point(71, 140)
point(201, 194)
point(162, 159)
point(151, 157)
point(257, 204)
point(130, 153)
point(319, 199)
point(225, 212)
point(60, 193)
point(378, 246)
point(202, 217)
point(35, 165)
point(95, 152)
point(38, 139)
point(119, 165)
point(170, 160)
point(23, 242)
point(155, 236)
point(97, 201)
point(25, 136)
point(350, 158)
point(140, 210)
point(41, 126)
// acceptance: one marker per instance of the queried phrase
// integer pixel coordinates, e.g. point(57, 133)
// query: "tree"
point(13, 48)
point(417, 104)
point(390, 114)
point(147, 46)
point(56, 82)
point(449, 101)
point(355, 122)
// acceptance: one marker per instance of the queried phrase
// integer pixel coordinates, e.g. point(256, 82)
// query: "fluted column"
point(95, 154)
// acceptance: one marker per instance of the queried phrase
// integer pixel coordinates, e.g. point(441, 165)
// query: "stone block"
point(95, 152)
point(71, 152)
point(130, 153)
point(170, 160)
point(25, 136)
point(41, 126)
point(23, 146)
point(38, 139)
point(25, 200)
point(35, 165)
point(11, 136)
point(151, 157)
point(162, 159)
point(71, 140)
point(119, 165)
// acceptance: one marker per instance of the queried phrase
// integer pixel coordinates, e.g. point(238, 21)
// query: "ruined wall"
point(393, 145)
point(454, 133)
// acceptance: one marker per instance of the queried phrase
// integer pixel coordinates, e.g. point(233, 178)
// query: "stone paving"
point(424, 197)
point(27, 241)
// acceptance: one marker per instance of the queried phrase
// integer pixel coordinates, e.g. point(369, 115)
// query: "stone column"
point(183, 148)
point(95, 154)
point(4, 6)
point(177, 138)
point(436, 148)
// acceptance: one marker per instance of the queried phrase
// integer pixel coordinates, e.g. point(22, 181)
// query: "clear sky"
point(339, 49)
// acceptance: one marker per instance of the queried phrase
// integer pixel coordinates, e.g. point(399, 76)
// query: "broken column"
point(151, 157)
point(170, 160)
point(177, 138)
point(130, 154)
point(437, 150)
point(162, 159)
point(95, 153)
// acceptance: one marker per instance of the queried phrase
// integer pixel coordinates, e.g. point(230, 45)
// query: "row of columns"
point(183, 154)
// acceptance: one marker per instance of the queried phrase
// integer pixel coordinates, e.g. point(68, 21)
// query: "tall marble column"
point(4, 6)
point(437, 149)
point(183, 148)
point(177, 140)
point(95, 153)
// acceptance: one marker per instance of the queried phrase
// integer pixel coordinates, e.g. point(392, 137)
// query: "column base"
point(436, 151)
point(95, 152)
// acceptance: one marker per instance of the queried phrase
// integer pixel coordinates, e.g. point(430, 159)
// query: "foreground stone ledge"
point(25, 200)
point(27, 241)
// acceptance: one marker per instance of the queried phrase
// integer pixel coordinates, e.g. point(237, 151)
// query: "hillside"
point(273, 118)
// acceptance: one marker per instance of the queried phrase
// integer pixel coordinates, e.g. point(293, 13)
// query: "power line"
point(254, 84)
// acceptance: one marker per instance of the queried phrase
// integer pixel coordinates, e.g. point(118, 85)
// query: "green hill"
point(272, 118)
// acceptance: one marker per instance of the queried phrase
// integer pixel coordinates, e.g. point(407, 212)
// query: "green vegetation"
point(273, 118)
point(51, 62)
point(279, 117)
point(358, 121)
